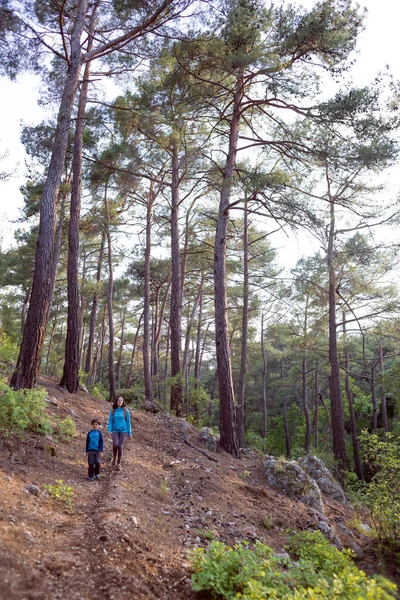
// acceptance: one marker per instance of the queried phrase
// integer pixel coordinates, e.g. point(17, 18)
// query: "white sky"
point(378, 46)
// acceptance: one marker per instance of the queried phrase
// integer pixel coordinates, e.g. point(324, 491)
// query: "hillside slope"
point(127, 535)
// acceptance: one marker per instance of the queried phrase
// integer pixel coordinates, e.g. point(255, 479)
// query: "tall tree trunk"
point(264, 383)
point(53, 327)
point(350, 399)
point(338, 432)
point(121, 348)
point(228, 427)
point(23, 311)
point(70, 378)
point(197, 360)
point(316, 414)
point(102, 340)
point(129, 379)
point(110, 293)
point(148, 387)
point(82, 311)
point(373, 399)
point(307, 437)
point(383, 395)
point(245, 323)
point(93, 312)
point(29, 356)
point(286, 430)
point(156, 341)
point(176, 289)
point(58, 237)
point(189, 329)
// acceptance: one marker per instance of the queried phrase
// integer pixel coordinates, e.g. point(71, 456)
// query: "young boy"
point(94, 450)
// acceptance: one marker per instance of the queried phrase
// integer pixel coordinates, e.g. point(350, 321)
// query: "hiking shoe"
point(113, 463)
point(97, 477)
point(90, 478)
point(119, 468)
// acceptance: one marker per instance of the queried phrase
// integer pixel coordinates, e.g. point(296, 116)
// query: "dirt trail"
point(127, 535)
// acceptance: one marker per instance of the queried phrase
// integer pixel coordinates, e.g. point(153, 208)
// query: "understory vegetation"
point(314, 570)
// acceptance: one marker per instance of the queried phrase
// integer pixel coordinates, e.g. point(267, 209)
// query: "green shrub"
point(319, 571)
point(60, 491)
point(8, 350)
point(66, 429)
point(99, 391)
point(23, 410)
point(382, 494)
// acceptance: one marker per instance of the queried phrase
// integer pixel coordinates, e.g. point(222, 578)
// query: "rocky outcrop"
point(329, 487)
point(288, 477)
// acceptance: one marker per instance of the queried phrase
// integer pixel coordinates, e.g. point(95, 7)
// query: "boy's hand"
point(101, 454)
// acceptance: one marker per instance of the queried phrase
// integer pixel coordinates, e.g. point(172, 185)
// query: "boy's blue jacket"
point(94, 441)
point(120, 421)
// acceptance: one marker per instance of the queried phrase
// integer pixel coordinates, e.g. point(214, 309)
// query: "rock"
point(151, 407)
point(336, 542)
point(283, 556)
point(33, 489)
point(134, 520)
point(358, 551)
point(365, 528)
point(316, 469)
point(51, 401)
point(83, 388)
point(345, 529)
point(288, 477)
point(73, 413)
point(206, 437)
point(325, 528)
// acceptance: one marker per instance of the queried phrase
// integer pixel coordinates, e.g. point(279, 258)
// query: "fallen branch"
point(199, 450)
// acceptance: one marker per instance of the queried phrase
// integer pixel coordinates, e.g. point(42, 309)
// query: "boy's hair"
point(96, 421)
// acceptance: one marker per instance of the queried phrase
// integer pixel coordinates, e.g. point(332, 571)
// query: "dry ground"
point(127, 535)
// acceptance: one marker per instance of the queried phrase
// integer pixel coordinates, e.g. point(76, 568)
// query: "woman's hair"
point(115, 405)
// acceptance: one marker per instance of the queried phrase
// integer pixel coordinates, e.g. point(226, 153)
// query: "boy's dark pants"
point(94, 462)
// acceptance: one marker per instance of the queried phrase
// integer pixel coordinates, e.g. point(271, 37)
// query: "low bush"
point(66, 429)
point(319, 571)
point(60, 491)
point(23, 410)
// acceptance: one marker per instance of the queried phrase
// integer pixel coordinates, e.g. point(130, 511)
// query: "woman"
point(119, 426)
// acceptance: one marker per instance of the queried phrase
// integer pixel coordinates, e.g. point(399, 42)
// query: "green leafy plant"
point(164, 489)
point(382, 494)
point(319, 571)
point(8, 349)
point(267, 522)
point(60, 491)
point(205, 534)
point(66, 428)
point(23, 410)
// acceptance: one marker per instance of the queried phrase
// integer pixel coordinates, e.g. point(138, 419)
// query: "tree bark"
point(110, 293)
point(129, 379)
point(228, 427)
point(338, 431)
point(148, 387)
point(93, 312)
point(245, 325)
point(264, 383)
point(350, 399)
point(70, 378)
point(383, 395)
point(29, 356)
point(176, 290)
